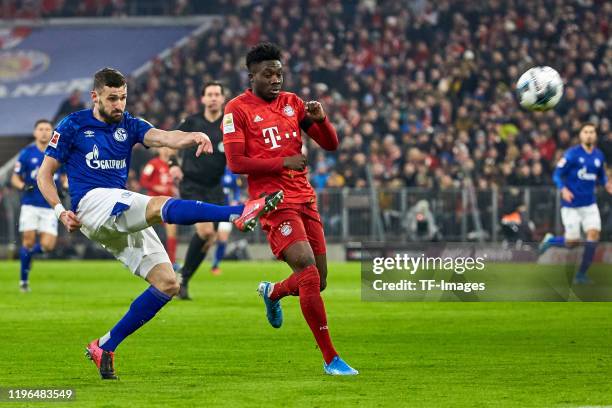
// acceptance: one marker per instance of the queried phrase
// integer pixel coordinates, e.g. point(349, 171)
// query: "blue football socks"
point(188, 212)
point(143, 308)
point(219, 253)
point(587, 257)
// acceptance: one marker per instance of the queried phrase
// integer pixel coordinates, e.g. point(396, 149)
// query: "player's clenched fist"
point(203, 142)
point(70, 221)
point(297, 162)
point(315, 111)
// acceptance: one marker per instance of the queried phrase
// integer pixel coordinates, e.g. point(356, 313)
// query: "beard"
point(108, 118)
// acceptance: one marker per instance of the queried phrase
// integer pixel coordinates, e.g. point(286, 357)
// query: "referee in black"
point(201, 177)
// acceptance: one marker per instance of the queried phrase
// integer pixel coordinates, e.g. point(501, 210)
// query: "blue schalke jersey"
point(580, 172)
point(27, 165)
point(231, 186)
point(95, 154)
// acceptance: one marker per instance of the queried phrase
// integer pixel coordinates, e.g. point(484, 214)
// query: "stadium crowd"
point(424, 94)
point(421, 91)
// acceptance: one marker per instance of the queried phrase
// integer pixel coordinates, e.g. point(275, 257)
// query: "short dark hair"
point(585, 124)
point(264, 51)
point(212, 83)
point(39, 121)
point(108, 77)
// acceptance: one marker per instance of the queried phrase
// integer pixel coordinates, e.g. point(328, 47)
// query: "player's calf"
point(164, 279)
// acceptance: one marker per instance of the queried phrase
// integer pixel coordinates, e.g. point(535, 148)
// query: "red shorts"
point(292, 223)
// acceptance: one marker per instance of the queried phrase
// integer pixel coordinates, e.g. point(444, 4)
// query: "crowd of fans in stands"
point(424, 93)
point(420, 91)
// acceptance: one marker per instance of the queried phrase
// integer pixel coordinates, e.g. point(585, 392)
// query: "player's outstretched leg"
point(188, 212)
point(163, 287)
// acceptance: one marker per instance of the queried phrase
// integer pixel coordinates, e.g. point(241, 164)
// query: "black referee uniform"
point(202, 175)
point(202, 180)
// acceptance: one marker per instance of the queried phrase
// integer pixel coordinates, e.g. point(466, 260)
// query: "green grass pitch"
point(218, 350)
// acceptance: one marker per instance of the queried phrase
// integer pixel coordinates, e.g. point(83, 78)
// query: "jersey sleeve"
point(562, 169)
point(62, 139)
point(20, 164)
point(137, 128)
point(233, 125)
point(602, 176)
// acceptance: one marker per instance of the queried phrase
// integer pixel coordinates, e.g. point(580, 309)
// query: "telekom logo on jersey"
point(271, 136)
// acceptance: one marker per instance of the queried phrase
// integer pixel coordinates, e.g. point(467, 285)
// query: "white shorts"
point(224, 227)
point(39, 219)
point(576, 217)
point(116, 219)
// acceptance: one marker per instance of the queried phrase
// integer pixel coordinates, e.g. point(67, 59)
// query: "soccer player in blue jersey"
point(95, 145)
point(231, 189)
point(36, 215)
point(577, 175)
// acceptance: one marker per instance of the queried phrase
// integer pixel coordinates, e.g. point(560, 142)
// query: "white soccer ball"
point(539, 89)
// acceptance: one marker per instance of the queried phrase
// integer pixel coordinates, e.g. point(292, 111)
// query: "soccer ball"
point(539, 89)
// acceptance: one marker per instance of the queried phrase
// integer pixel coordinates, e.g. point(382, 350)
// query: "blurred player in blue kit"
point(36, 216)
point(577, 175)
point(231, 189)
point(95, 146)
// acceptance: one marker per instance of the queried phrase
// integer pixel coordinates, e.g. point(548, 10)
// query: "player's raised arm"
point(177, 139)
point(48, 189)
point(318, 126)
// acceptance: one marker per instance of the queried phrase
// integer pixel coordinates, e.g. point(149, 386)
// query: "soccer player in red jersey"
point(262, 135)
point(156, 179)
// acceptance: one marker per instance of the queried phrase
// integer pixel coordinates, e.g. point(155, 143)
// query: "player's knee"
point(169, 285)
point(592, 235)
point(303, 260)
point(47, 246)
point(154, 207)
point(309, 279)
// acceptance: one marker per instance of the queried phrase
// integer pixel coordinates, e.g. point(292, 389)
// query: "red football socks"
point(171, 248)
point(313, 309)
point(286, 287)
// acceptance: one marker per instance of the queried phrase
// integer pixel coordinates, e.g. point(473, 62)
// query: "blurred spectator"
point(421, 96)
point(71, 104)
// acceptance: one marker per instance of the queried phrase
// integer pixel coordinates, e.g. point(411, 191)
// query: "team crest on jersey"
point(288, 110)
point(120, 135)
point(285, 229)
point(597, 162)
point(228, 123)
point(89, 133)
point(54, 139)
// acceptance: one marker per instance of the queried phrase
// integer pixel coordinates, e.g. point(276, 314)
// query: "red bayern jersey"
point(269, 130)
point(156, 179)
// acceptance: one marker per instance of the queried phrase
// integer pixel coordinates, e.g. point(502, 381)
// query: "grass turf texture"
point(219, 350)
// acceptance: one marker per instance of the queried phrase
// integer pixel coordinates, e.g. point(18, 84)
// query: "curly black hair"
point(264, 51)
